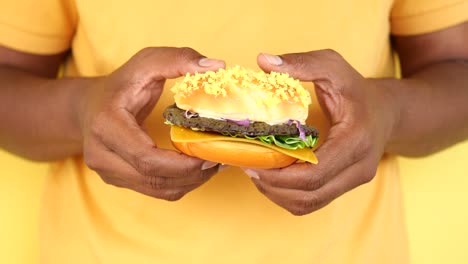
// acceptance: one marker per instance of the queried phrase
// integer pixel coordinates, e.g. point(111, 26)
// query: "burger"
point(244, 118)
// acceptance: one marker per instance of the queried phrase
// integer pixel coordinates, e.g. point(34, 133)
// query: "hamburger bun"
point(238, 154)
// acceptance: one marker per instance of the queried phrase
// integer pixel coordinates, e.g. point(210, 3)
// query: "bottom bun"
point(236, 154)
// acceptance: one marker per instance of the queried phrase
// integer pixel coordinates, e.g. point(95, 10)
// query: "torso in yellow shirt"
point(227, 220)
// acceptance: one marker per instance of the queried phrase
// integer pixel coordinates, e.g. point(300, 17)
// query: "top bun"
point(238, 94)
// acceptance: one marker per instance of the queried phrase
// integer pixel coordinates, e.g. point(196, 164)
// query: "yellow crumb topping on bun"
point(279, 86)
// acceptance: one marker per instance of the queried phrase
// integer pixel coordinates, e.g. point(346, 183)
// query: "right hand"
point(113, 111)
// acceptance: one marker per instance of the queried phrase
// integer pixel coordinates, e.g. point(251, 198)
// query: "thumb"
point(307, 66)
point(161, 63)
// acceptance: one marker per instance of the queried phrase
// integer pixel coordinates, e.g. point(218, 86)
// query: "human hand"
point(115, 143)
point(361, 117)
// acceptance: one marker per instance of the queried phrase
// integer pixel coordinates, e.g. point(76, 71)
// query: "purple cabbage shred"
point(244, 122)
point(190, 114)
point(299, 127)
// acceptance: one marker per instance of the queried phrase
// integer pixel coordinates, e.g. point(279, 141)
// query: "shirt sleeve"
point(410, 17)
point(37, 26)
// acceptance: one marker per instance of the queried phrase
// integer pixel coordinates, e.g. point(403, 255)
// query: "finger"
point(114, 170)
point(110, 167)
point(336, 154)
point(294, 201)
point(144, 185)
point(307, 66)
point(160, 63)
point(170, 194)
point(173, 194)
point(300, 202)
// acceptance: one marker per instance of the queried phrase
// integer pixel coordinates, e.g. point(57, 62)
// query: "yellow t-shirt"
point(227, 220)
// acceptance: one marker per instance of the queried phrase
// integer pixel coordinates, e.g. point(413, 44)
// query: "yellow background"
point(434, 189)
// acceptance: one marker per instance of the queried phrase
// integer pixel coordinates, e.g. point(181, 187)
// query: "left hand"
point(362, 117)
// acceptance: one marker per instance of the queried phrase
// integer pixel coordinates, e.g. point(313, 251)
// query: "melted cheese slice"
point(180, 134)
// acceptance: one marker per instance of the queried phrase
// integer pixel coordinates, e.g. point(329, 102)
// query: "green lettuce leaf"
point(287, 142)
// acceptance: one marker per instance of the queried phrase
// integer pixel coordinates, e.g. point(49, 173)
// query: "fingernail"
point(273, 59)
point(208, 165)
point(206, 62)
point(252, 174)
point(223, 167)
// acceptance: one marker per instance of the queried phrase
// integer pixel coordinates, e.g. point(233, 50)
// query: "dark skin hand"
point(114, 143)
point(418, 115)
point(101, 117)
